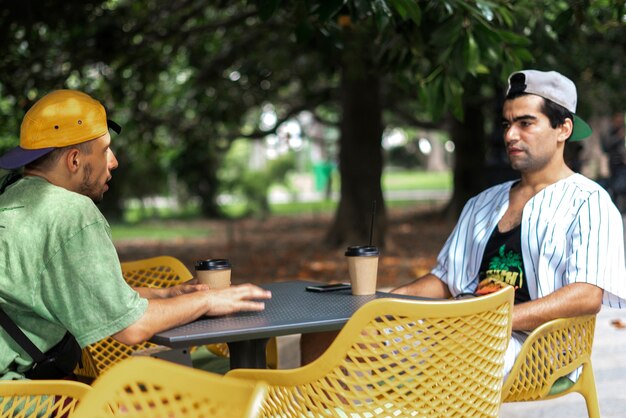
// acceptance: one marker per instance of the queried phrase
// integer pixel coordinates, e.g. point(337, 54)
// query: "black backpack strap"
point(18, 335)
point(9, 179)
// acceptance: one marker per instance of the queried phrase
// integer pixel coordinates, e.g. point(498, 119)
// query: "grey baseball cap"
point(552, 86)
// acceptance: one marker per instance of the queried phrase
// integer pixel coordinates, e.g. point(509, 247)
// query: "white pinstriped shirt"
point(571, 233)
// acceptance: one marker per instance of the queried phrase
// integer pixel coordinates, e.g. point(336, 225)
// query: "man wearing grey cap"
point(554, 234)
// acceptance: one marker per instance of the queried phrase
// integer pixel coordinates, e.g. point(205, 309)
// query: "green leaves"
point(471, 55)
point(267, 8)
point(407, 9)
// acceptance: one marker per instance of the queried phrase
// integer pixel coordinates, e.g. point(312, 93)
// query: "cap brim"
point(19, 157)
point(581, 130)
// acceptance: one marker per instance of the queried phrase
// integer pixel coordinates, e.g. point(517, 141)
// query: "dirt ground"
point(287, 248)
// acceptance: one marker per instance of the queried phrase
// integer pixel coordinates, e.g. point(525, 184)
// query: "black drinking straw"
point(372, 222)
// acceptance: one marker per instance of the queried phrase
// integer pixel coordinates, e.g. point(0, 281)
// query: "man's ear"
point(72, 160)
point(566, 129)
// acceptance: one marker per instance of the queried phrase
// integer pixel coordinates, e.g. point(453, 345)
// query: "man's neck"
point(539, 180)
point(49, 176)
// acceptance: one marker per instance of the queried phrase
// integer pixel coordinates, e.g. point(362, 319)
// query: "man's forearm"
point(166, 313)
point(151, 292)
point(162, 314)
point(569, 301)
point(428, 285)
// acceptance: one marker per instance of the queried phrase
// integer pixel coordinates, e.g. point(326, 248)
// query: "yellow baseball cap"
point(59, 119)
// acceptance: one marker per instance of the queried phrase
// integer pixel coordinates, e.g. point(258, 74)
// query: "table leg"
point(248, 354)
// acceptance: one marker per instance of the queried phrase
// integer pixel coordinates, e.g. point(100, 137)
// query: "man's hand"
point(236, 299)
point(183, 289)
point(192, 302)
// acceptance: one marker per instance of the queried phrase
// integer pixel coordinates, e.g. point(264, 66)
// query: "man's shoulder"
point(583, 187)
point(41, 190)
point(495, 191)
point(44, 201)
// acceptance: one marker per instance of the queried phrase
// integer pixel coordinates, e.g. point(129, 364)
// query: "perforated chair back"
point(40, 398)
point(145, 387)
point(163, 271)
point(397, 357)
point(156, 272)
point(548, 355)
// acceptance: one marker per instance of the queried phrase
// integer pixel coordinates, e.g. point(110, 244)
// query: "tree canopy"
point(188, 78)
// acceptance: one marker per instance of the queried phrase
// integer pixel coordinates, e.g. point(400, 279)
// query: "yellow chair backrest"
point(145, 387)
point(550, 353)
point(397, 357)
point(40, 398)
point(163, 271)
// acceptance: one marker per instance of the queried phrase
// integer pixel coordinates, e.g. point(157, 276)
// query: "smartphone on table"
point(328, 287)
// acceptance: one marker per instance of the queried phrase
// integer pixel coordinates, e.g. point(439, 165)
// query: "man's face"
point(97, 167)
point(531, 143)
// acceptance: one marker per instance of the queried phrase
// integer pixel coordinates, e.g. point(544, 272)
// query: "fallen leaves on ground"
point(287, 248)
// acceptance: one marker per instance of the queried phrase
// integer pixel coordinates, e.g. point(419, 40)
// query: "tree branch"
point(409, 118)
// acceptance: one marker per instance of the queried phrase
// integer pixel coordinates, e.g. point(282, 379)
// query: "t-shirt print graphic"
point(505, 269)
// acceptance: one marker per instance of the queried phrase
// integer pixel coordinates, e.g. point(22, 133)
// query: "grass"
point(161, 226)
point(416, 180)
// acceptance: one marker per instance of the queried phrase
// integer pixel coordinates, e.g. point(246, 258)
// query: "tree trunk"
point(360, 158)
point(469, 160)
point(207, 190)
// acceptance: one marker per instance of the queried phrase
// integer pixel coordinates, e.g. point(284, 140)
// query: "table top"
point(292, 310)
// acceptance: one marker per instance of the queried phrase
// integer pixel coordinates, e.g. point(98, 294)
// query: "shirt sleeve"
point(83, 288)
point(454, 256)
point(595, 254)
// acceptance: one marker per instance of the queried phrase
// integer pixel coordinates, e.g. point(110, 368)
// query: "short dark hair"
point(49, 160)
point(555, 113)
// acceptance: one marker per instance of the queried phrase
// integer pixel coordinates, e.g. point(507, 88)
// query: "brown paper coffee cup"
point(214, 272)
point(363, 269)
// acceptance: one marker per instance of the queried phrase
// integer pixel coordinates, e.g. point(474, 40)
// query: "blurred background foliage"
point(190, 79)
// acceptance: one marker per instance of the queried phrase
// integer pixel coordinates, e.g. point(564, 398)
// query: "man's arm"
point(166, 313)
point(169, 292)
point(428, 285)
point(575, 299)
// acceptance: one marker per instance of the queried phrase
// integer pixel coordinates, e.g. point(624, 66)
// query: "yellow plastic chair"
point(40, 398)
point(145, 387)
point(397, 357)
point(163, 271)
point(548, 355)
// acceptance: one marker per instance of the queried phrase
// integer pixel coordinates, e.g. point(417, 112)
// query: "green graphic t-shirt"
point(502, 262)
point(59, 271)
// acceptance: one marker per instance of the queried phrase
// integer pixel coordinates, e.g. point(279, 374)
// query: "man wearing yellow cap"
point(61, 283)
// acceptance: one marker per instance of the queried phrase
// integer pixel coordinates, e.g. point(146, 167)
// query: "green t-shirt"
point(59, 271)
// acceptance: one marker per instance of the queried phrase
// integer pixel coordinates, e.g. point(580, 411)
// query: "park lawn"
point(161, 227)
point(416, 180)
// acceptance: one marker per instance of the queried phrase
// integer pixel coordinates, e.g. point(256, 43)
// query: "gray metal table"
point(292, 310)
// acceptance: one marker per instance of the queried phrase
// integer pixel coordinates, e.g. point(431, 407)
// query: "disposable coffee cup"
point(214, 272)
point(363, 268)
